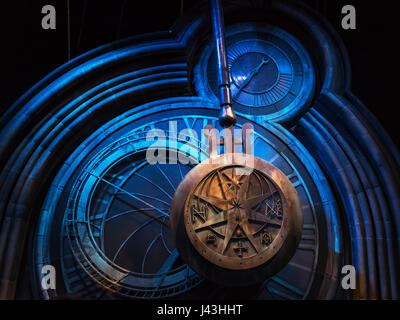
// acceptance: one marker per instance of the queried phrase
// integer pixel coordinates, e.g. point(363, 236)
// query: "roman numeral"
point(294, 292)
point(308, 241)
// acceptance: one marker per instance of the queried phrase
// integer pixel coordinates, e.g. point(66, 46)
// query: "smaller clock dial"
point(271, 73)
point(261, 75)
point(254, 72)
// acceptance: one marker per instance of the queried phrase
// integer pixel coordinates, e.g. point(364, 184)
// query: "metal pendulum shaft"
point(227, 117)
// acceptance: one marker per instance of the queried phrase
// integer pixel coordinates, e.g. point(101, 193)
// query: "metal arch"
point(362, 192)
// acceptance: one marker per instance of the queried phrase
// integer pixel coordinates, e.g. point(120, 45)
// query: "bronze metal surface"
point(233, 222)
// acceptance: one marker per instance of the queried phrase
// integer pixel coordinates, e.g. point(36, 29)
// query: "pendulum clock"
point(209, 219)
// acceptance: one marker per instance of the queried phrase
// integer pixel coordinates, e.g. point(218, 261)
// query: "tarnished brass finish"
point(234, 224)
point(239, 210)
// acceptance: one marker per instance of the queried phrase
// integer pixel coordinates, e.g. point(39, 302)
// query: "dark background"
point(29, 52)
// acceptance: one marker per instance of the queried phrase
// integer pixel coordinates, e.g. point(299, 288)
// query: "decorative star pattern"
point(237, 207)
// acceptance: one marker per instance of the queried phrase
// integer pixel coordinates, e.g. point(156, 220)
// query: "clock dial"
point(118, 227)
point(258, 79)
point(271, 73)
point(107, 212)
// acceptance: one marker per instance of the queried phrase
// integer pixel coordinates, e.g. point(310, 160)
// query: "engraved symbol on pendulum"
point(266, 238)
point(273, 208)
point(202, 212)
point(240, 249)
point(211, 239)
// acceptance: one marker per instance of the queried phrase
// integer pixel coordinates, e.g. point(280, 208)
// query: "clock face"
point(118, 225)
point(271, 73)
point(261, 74)
point(105, 223)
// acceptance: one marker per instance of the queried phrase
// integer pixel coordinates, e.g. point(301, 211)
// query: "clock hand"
point(248, 79)
point(252, 74)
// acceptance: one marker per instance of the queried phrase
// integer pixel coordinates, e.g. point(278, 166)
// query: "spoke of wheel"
point(259, 217)
point(147, 196)
point(218, 203)
point(217, 219)
point(148, 250)
point(155, 185)
point(162, 231)
point(180, 171)
point(127, 212)
point(166, 177)
point(148, 213)
point(130, 194)
point(169, 262)
point(94, 226)
point(131, 235)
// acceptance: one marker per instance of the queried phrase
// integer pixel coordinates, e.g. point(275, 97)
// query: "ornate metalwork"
point(236, 224)
point(242, 206)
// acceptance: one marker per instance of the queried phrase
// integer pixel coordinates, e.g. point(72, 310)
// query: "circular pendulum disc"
point(236, 224)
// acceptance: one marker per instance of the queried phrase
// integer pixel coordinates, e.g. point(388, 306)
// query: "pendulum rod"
point(227, 117)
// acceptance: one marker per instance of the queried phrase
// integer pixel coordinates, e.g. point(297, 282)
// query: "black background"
point(29, 52)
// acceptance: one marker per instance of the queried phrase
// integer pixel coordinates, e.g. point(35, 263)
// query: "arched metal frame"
point(360, 163)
